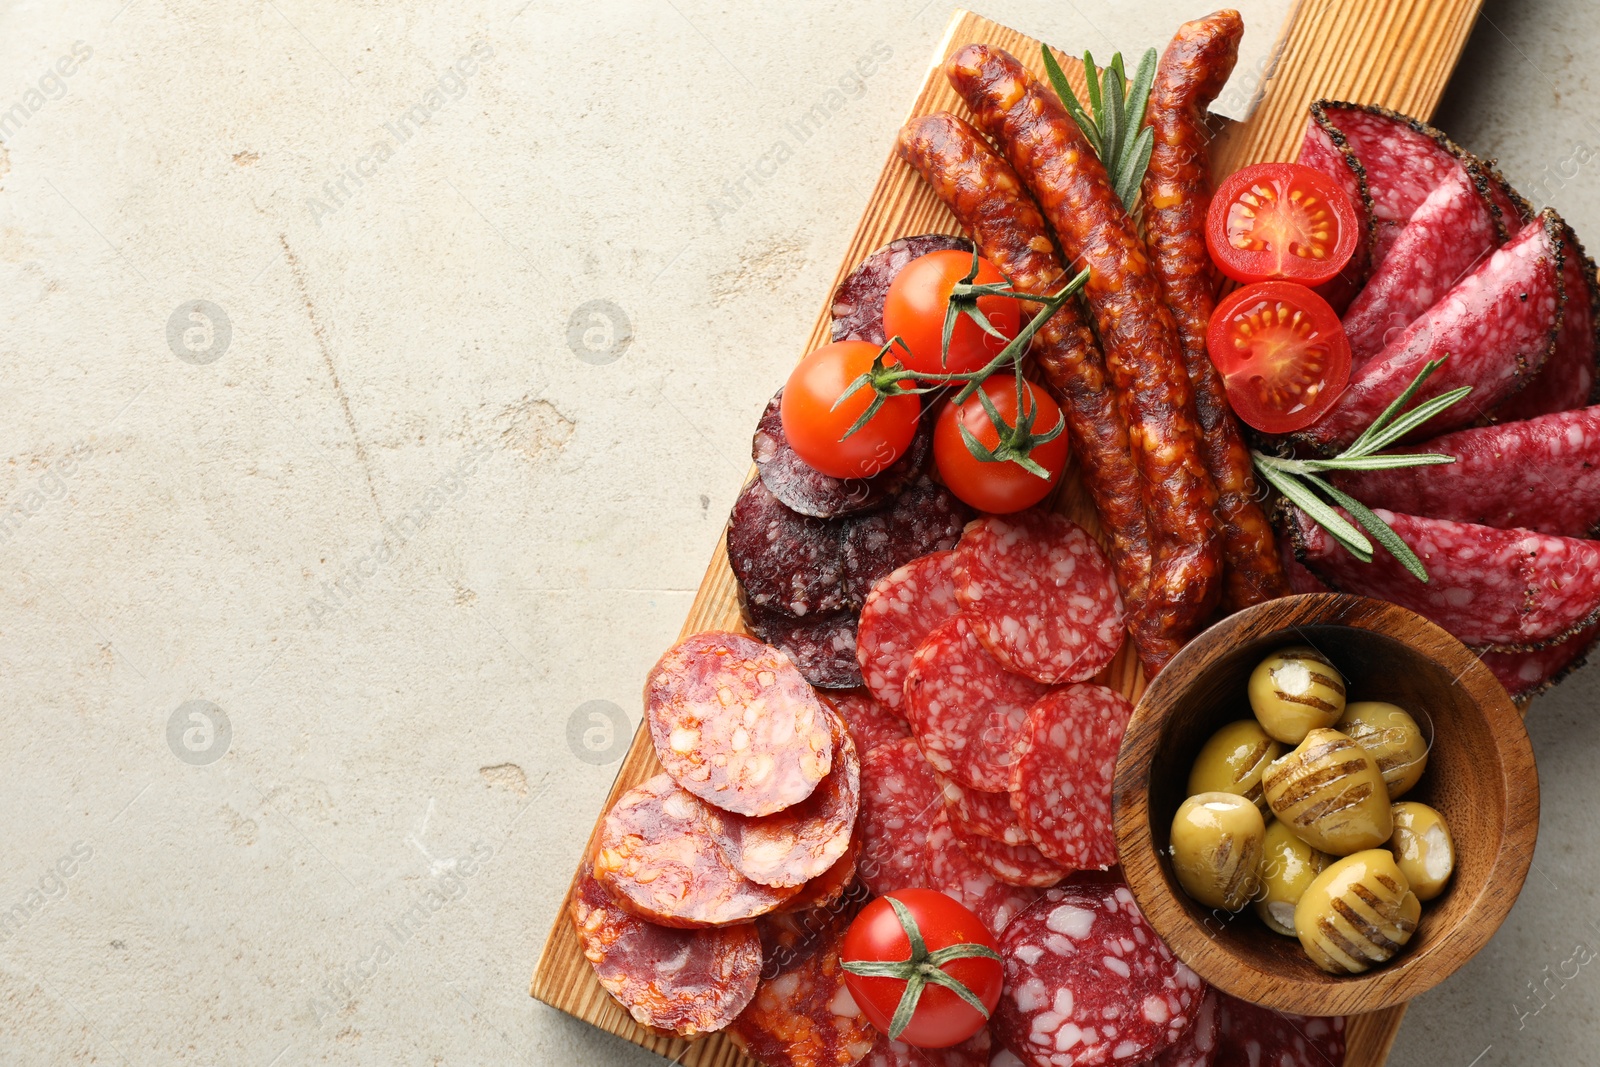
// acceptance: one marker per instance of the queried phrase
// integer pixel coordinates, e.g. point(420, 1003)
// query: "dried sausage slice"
point(735, 724)
point(1253, 1036)
point(1568, 378)
point(1526, 674)
point(1199, 1044)
point(821, 646)
point(1020, 865)
point(1326, 150)
point(784, 560)
point(900, 612)
point(899, 801)
point(959, 876)
point(1061, 780)
point(973, 1052)
point(983, 813)
point(869, 722)
point(802, 1014)
point(858, 301)
point(925, 518)
point(803, 488)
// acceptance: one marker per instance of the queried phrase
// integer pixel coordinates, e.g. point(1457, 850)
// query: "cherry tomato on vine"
point(1282, 354)
point(1281, 220)
point(1004, 486)
point(816, 428)
point(904, 954)
point(915, 312)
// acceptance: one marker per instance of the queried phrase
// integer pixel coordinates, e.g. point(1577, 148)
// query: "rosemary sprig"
point(1300, 479)
point(1116, 126)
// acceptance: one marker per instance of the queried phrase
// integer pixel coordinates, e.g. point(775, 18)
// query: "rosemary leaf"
point(1351, 538)
point(1362, 445)
point(1413, 419)
point(1371, 463)
point(1134, 163)
point(1376, 527)
point(1069, 99)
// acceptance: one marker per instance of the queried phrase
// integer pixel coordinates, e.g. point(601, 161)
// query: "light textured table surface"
point(319, 600)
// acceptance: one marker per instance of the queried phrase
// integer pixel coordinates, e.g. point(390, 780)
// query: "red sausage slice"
point(869, 722)
point(1019, 865)
point(899, 614)
point(899, 801)
point(1061, 780)
point(1253, 1036)
point(959, 876)
point(983, 813)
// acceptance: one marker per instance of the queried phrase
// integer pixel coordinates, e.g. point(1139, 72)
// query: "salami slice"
point(1508, 590)
point(1542, 474)
point(1301, 580)
point(803, 488)
point(827, 889)
point(784, 560)
point(1088, 983)
point(1040, 595)
point(803, 1015)
point(899, 613)
point(899, 801)
point(682, 982)
point(821, 646)
point(869, 722)
point(973, 1052)
point(965, 709)
point(659, 857)
point(1199, 1044)
point(1515, 211)
point(735, 724)
point(925, 518)
point(858, 301)
point(1567, 379)
point(1254, 1036)
point(1526, 674)
point(1019, 865)
point(1496, 326)
point(1325, 149)
point(959, 876)
point(983, 813)
point(1061, 780)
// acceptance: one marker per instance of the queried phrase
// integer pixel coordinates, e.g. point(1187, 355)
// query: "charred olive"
point(1393, 740)
point(1233, 762)
point(1329, 792)
point(1288, 866)
point(1296, 690)
point(1216, 848)
point(1357, 913)
point(1422, 848)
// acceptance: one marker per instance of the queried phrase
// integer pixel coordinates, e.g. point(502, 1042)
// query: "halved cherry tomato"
point(879, 936)
point(1281, 220)
point(816, 428)
point(1282, 354)
point(915, 309)
point(1005, 486)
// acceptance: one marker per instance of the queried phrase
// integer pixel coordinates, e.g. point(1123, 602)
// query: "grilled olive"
point(1422, 848)
point(1329, 792)
point(1358, 912)
point(1296, 690)
point(1216, 848)
point(1288, 865)
point(1393, 740)
point(1233, 760)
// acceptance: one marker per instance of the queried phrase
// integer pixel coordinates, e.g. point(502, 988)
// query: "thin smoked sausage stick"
point(1137, 331)
point(1177, 194)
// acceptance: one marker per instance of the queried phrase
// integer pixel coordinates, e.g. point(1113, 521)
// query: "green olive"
point(1329, 792)
point(1393, 740)
point(1288, 865)
point(1358, 912)
point(1296, 690)
point(1422, 848)
point(1233, 761)
point(1216, 848)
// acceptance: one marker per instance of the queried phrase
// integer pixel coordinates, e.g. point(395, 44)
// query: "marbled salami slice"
point(869, 722)
point(925, 518)
point(1542, 474)
point(965, 709)
point(1497, 326)
point(1199, 1044)
point(659, 857)
point(803, 488)
point(858, 301)
point(682, 982)
point(899, 801)
point(784, 560)
point(899, 613)
point(983, 813)
point(736, 725)
point(955, 873)
point(1568, 378)
point(803, 1015)
point(826, 890)
point(1324, 149)
point(973, 1052)
point(1526, 674)
point(1088, 983)
point(1253, 1036)
point(1019, 865)
point(1061, 778)
point(1506, 590)
point(821, 646)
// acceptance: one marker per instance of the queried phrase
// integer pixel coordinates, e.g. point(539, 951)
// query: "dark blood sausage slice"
point(1088, 983)
point(784, 560)
point(1526, 674)
point(682, 982)
point(858, 302)
point(1497, 326)
point(900, 612)
point(1061, 780)
point(822, 647)
point(1019, 865)
point(973, 1052)
point(1140, 338)
point(659, 857)
point(869, 722)
point(735, 724)
point(802, 1015)
point(1568, 378)
point(1198, 1045)
point(1542, 474)
point(803, 488)
point(1506, 590)
point(1254, 1036)
point(925, 518)
point(965, 709)
point(956, 874)
point(1325, 150)
point(1039, 594)
point(983, 813)
point(899, 800)
point(1177, 195)
point(985, 194)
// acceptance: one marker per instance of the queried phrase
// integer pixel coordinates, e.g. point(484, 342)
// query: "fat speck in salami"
point(1254, 1036)
point(784, 560)
point(858, 302)
point(900, 612)
point(899, 802)
point(805, 489)
point(956, 874)
point(1061, 780)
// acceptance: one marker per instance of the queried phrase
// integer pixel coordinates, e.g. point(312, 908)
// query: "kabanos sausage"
point(1177, 194)
point(1138, 333)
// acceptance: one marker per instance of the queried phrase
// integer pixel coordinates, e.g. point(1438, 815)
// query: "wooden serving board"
point(1398, 53)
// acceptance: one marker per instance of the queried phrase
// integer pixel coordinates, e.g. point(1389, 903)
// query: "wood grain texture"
point(1398, 53)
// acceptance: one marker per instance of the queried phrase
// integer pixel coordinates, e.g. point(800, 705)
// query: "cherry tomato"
point(915, 310)
point(941, 1018)
point(1282, 354)
point(1005, 486)
point(816, 429)
point(1281, 220)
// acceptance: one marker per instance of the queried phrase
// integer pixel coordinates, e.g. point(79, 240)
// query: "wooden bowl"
point(1480, 776)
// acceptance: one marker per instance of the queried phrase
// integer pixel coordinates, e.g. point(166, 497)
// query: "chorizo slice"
point(802, 1014)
